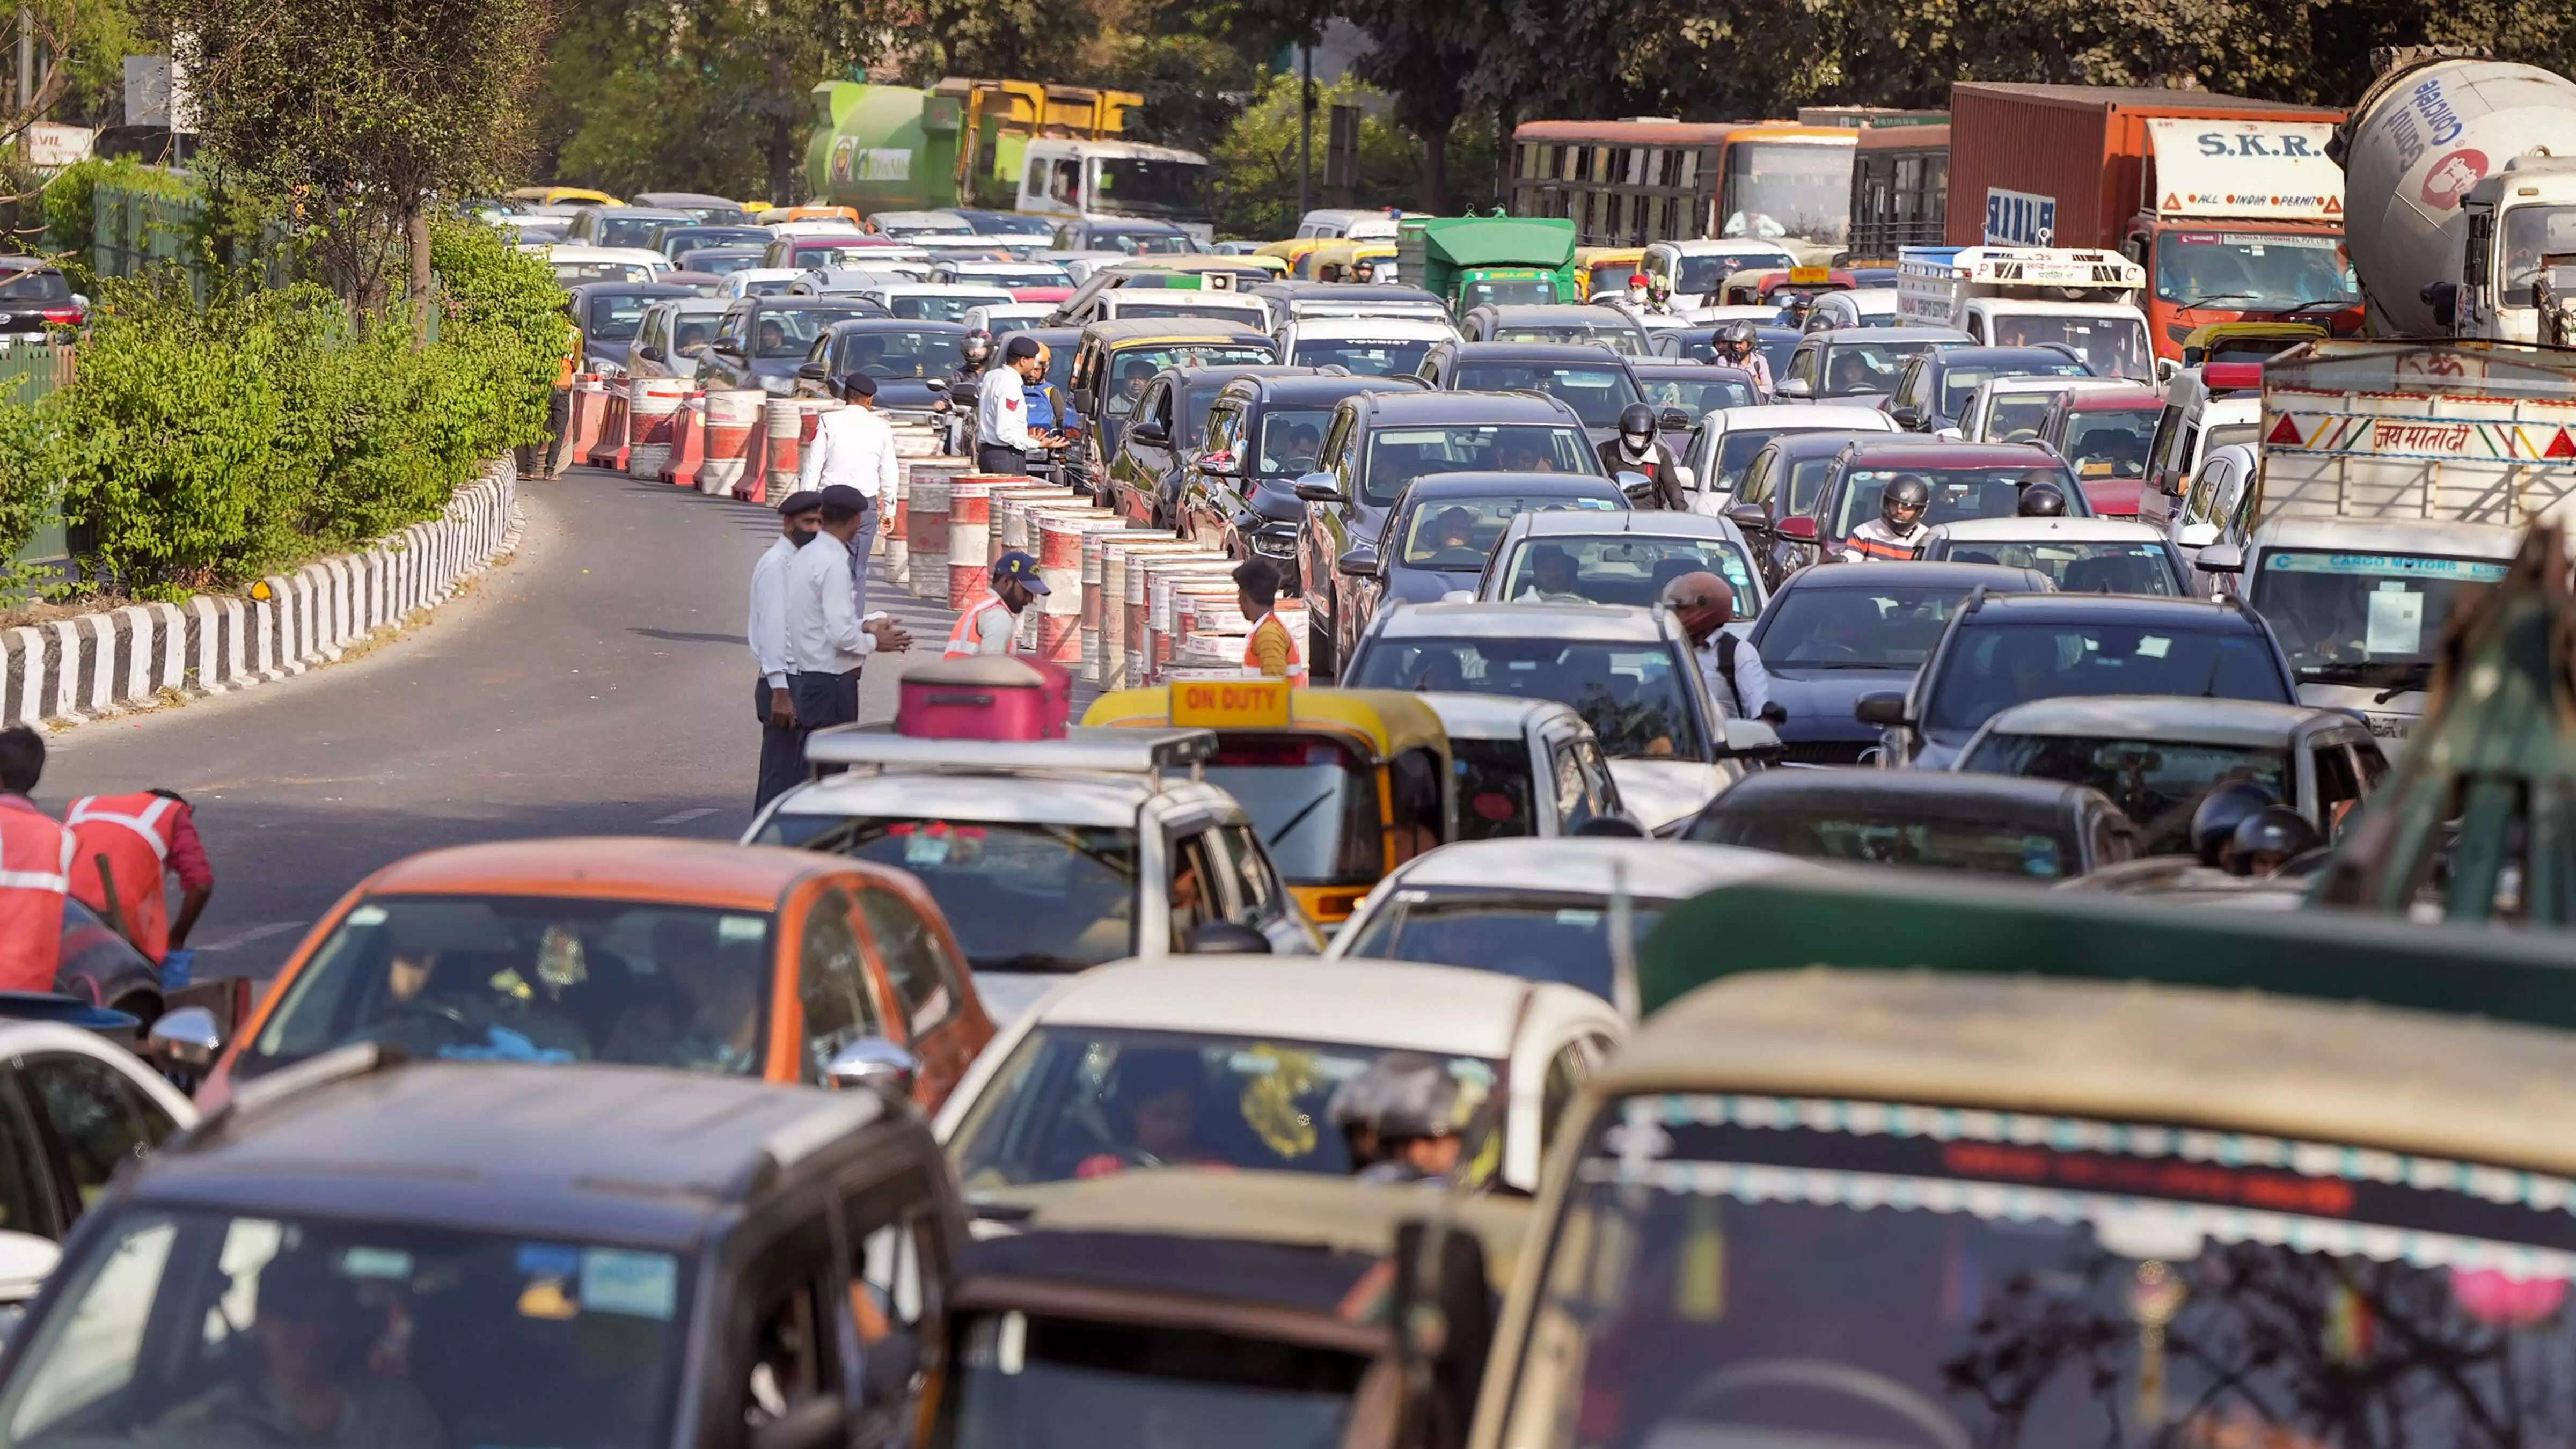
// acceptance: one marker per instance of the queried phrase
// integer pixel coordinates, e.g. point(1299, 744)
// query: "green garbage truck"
point(1469, 261)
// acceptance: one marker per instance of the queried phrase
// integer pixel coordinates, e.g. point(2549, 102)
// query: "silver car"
point(673, 335)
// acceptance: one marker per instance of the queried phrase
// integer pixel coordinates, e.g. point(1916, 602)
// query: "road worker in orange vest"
point(123, 846)
point(35, 864)
point(1271, 650)
point(987, 624)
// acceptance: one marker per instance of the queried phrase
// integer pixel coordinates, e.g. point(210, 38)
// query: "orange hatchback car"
point(733, 960)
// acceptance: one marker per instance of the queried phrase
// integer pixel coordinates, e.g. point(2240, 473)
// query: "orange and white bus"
point(1627, 183)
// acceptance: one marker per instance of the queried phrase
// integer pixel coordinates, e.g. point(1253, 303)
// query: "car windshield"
point(2157, 783)
point(1992, 667)
point(1619, 338)
point(1632, 695)
point(1085, 1101)
point(35, 284)
point(1804, 1270)
point(1135, 366)
point(1290, 438)
point(1367, 359)
point(1496, 798)
point(2362, 619)
point(2136, 567)
point(1506, 292)
point(1959, 383)
point(897, 354)
point(790, 331)
point(2110, 442)
point(1456, 535)
point(1140, 186)
point(1860, 366)
point(1020, 896)
point(1080, 1383)
point(833, 256)
point(692, 331)
point(1857, 628)
point(679, 241)
point(1536, 934)
point(1889, 832)
point(199, 1326)
point(616, 317)
point(1016, 277)
point(1699, 396)
point(1597, 394)
point(1957, 493)
point(941, 306)
point(1156, 303)
point(2113, 344)
point(1699, 275)
point(1622, 569)
point(1738, 445)
point(531, 978)
point(1397, 456)
point(2255, 271)
point(1788, 189)
point(574, 274)
point(1313, 803)
point(722, 263)
point(1142, 243)
point(767, 286)
point(2014, 417)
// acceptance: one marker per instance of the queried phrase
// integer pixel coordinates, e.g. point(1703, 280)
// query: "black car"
point(1784, 480)
point(506, 1253)
point(1593, 381)
point(1860, 363)
point(1377, 443)
point(608, 314)
point(764, 341)
point(1934, 389)
point(904, 357)
point(2036, 830)
point(1832, 635)
point(1238, 492)
point(1681, 393)
point(36, 301)
point(721, 261)
point(675, 239)
point(1442, 530)
point(2003, 651)
point(1143, 481)
point(1004, 223)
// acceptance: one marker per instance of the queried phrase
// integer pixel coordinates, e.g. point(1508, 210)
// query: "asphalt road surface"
point(597, 684)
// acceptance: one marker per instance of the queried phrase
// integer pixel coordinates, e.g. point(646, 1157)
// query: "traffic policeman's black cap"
point(1019, 347)
point(858, 384)
point(842, 495)
point(803, 500)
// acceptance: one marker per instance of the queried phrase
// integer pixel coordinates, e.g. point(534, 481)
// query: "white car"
point(1539, 909)
point(2008, 409)
point(672, 335)
point(815, 226)
point(1009, 276)
point(849, 281)
point(760, 282)
point(1723, 444)
point(999, 318)
point(1368, 346)
point(1123, 302)
point(575, 265)
point(1869, 307)
point(912, 224)
point(1524, 766)
point(931, 301)
point(1231, 1062)
point(1619, 558)
point(1697, 269)
point(2079, 555)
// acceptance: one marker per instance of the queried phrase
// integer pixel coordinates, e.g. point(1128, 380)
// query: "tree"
point(1423, 55)
point(364, 117)
point(1257, 159)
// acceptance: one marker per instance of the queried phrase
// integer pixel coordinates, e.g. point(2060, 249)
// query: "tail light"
point(66, 316)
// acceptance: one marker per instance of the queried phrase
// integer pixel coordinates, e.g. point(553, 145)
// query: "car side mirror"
point(2444, 299)
point(1319, 488)
point(1227, 938)
point(1749, 518)
point(2222, 558)
point(1359, 563)
point(1950, 435)
point(1441, 1314)
point(1083, 400)
point(1794, 387)
point(1909, 417)
point(2166, 368)
point(1749, 739)
point(1885, 709)
point(1635, 484)
point(875, 1063)
point(1683, 475)
point(727, 346)
point(937, 385)
point(1797, 528)
point(813, 372)
point(1220, 464)
point(1150, 434)
point(2196, 535)
point(651, 353)
point(1674, 420)
point(188, 1037)
point(26, 1260)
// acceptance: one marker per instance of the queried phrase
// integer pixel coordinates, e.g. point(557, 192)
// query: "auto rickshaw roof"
point(2218, 1057)
point(1387, 721)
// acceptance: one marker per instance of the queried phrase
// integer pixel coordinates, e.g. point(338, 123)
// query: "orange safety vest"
point(1296, 659)
point(35, 865)
point(964, 640)
point(132, 832)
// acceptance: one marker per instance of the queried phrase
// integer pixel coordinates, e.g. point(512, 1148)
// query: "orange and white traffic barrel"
point(926, 532)
point(653, 406)
point(732, 417)
point(970, 536)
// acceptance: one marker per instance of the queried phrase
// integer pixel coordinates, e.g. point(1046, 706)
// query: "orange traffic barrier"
point(753, 487)
point(688, 442)
point(733, 416)
point(653, 404)
point(610, 450)
point(589, 408)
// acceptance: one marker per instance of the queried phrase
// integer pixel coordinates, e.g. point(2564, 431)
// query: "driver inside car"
point(1153, 1103)
point(474, 1005)
point(306, 1379)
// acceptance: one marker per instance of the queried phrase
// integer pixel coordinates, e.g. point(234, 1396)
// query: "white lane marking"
point(255, 933)
point(685, 816)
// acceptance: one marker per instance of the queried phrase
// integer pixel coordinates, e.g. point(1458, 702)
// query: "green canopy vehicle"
point(1471, 261)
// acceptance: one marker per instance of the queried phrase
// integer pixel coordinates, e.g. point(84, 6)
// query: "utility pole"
point(26, 59)
point(1305, 117)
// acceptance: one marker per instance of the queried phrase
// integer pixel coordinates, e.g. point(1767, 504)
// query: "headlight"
point(778, 384)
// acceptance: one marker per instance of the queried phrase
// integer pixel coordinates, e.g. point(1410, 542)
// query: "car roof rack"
point(1098, 749)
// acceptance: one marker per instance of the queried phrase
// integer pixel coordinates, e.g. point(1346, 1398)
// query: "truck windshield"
point(2254, 271)
point(1788, 189)
point(1765, 1270)
point(1022, 896)
point(1505, 292)
point(2366, 620)
point(1136, 186)
point(2113, 344)
point(2533, 235)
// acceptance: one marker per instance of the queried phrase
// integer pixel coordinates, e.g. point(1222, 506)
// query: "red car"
point(2105, 437)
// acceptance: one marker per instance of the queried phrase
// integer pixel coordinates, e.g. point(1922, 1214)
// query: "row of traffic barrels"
point(741, 443)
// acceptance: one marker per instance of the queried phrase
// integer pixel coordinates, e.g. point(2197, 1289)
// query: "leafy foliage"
point(1258, 160)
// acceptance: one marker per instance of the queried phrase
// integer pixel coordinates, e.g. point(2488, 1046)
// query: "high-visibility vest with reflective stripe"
point(964, 642)
point(132, 833)
point(35, 863)
point(1252, 654)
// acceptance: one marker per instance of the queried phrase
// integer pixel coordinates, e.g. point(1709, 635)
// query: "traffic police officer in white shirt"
point(1002, 436)
point(782, 745)
point(854, 445)
point(824, 632)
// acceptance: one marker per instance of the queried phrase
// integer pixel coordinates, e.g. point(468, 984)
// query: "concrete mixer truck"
point(2460, 189)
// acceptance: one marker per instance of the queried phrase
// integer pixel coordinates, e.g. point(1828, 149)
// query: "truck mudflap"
point(2450, 432)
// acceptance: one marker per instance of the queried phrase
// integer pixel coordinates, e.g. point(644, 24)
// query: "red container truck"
point(2230, 203)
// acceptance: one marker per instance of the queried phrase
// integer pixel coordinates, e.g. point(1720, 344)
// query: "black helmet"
point(1401, 1095)
point(2214, 820)
point(2043, 500)
point(1907, 491)
point(977, 346)
point(2272, 830)
point(1637, 420)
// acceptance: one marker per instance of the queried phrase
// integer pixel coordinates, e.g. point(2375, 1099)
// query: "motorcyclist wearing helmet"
point(2042, 500)
point(1794, 309)
point(2269, 839)
point(1659, 296)
point(1898, 532)
point(1738, 346)
point(1638, 450)
point(972, 354)
point(2215, 818)
point(1402, 1119)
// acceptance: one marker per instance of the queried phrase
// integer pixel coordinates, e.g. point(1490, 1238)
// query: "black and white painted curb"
point(141, 655)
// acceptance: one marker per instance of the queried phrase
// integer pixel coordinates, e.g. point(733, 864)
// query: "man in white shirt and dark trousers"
point(824, 632)
point(1002, 436)
point(773, 703)
point(854, 446)
point(1704, 604)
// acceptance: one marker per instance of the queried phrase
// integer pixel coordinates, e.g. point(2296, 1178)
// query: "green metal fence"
point(134, 229)
point(29, 371)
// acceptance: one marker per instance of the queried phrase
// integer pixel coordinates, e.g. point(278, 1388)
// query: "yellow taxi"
point(1332, 262)
point(1291, 255)
point(560, 196)
point(1343, 785)
point(1604, 271)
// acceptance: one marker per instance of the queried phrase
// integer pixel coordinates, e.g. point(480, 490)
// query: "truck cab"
point(1087, 179)
point(2033, 296)
point(2243, 220)
point(1475, 261)
point(2520, 221)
